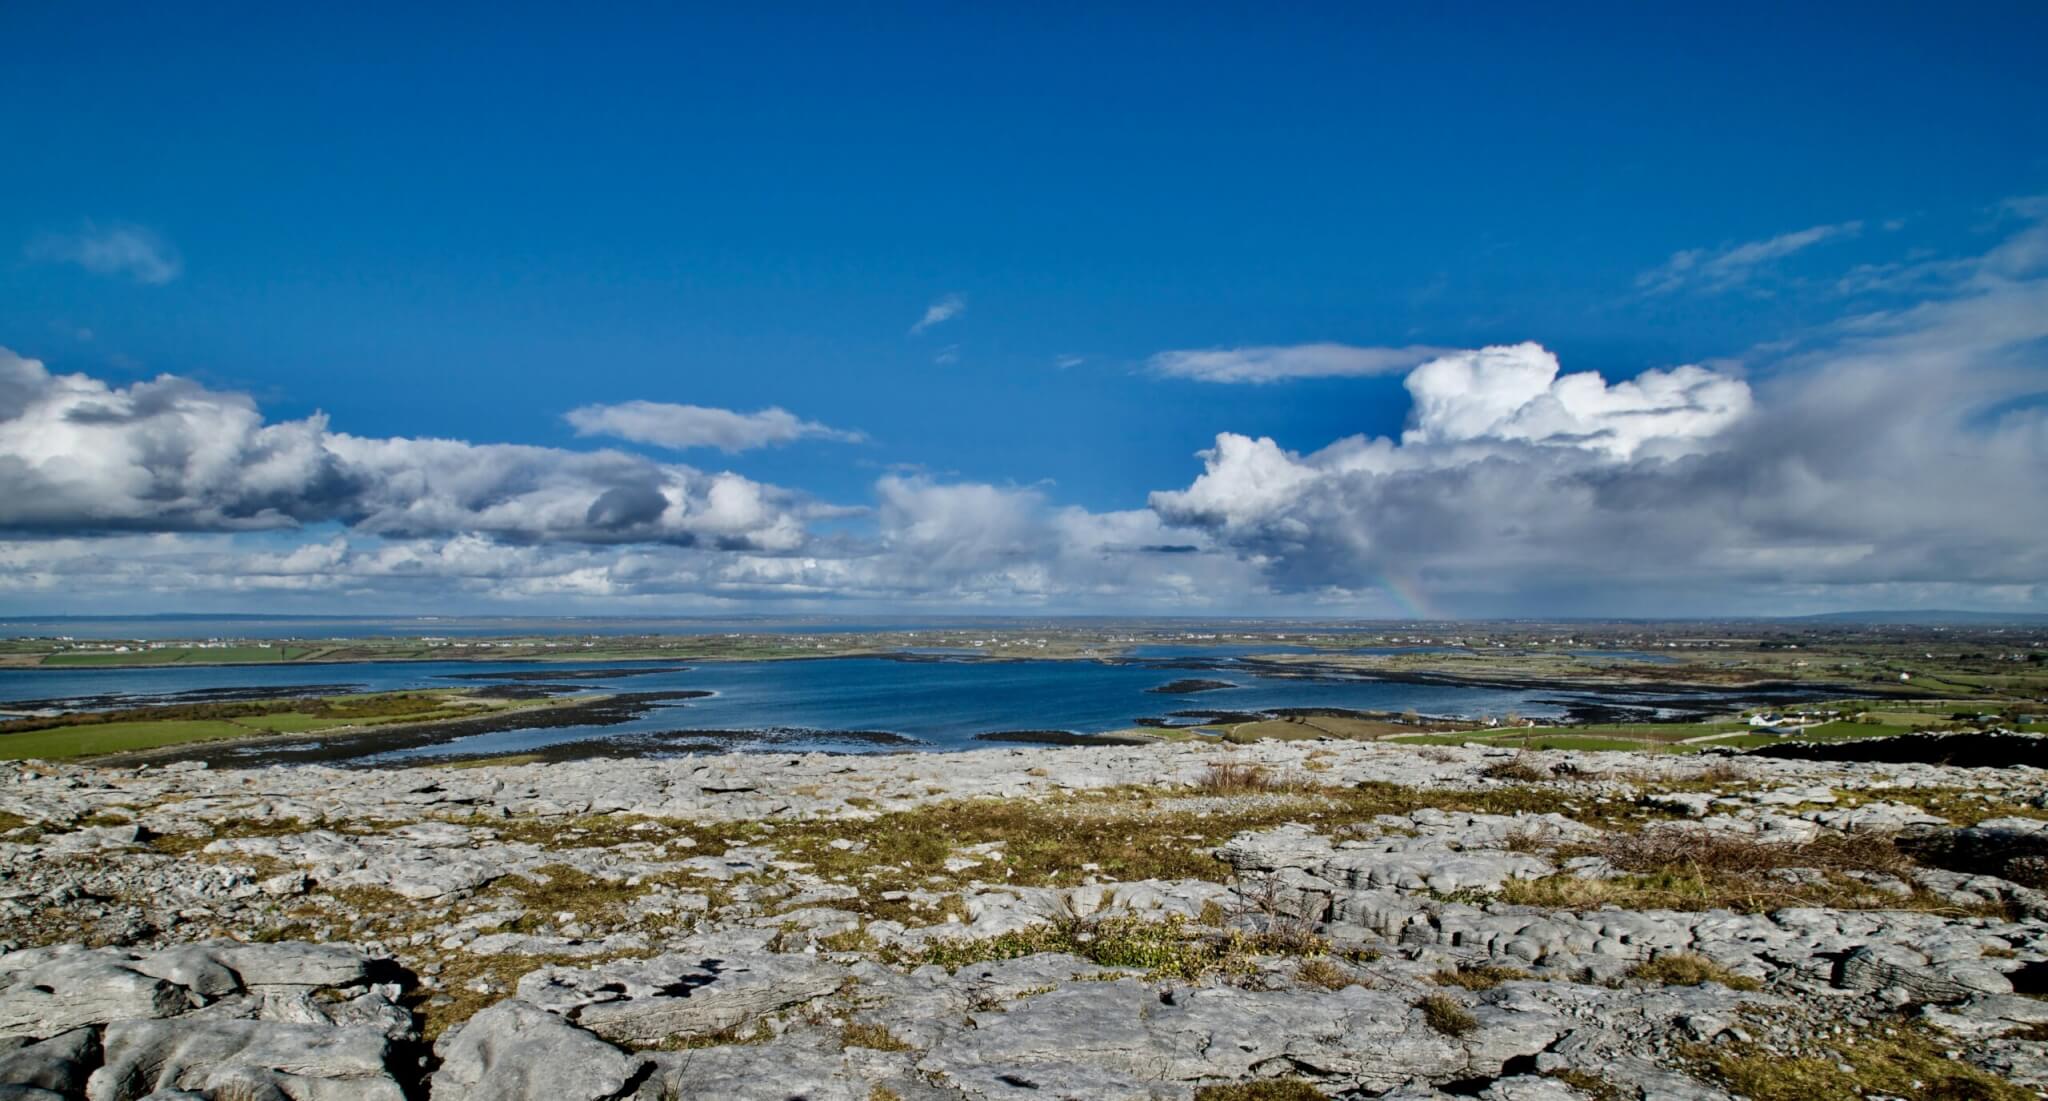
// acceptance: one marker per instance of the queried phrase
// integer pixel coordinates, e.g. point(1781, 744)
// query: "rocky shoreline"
point(1173, 921)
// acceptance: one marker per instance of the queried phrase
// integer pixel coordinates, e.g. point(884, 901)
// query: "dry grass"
point(558, 888)
point(1483, 976)
point(1444, 1014)
point(461, 973)
point(1289, 925)
point(1687, 969)
point(1520, 768)
point(1168, 948)
point(1696, 890)
point(1239, 778)
point(877, 1037)
point(1271, 1089)
point(1529, 839)
point(1125, 834)
point(1661, 848)
point(1906, 1062)
point(1592, 1085)
point(1674, 868)
point(186, 844)
point(1322, 973)
point(1721, 773)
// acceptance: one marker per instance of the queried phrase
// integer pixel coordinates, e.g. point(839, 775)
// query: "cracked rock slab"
point(686, 995)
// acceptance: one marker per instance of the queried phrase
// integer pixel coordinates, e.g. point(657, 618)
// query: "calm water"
point(943, 704)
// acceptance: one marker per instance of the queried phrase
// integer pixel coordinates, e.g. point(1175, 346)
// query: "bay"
point(939, 702)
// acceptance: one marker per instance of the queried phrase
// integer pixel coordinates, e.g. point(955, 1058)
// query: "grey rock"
point(647, 1001)
point(1529, 1087)
point(1895, 966)
point(516, 1051)
point(81, 989)
point(1129, 1039)
point(263, 1059)
point(59, 1064)
point(808, 1065)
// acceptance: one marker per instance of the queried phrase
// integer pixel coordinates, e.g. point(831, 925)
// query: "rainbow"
point(1407, 597)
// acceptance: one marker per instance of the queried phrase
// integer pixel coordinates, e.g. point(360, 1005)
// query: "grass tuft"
point(1687, 969)
point(1481, 976)
point(1238, 778)
point(1519, 769)
point(1443, 1013)
point(1325, 974)
point(877, 1037)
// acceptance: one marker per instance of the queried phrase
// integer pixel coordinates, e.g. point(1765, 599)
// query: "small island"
point(1191, 686)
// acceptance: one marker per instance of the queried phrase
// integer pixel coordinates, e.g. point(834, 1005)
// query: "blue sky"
point(465, 224)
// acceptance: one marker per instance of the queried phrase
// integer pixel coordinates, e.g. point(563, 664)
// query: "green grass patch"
point(89, 741)
point(127, 730)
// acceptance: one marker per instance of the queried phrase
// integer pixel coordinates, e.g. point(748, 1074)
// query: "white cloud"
point(685, 426)
point(172, 455)
point(1514, 393)
point(1275, 363)
point(1714, 270)
point(2020, 254)
point(1912, 450)
point(1009, 546)
point(940, 312)
point(118, 249)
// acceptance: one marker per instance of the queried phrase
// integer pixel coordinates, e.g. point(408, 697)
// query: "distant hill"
point(1931, 617)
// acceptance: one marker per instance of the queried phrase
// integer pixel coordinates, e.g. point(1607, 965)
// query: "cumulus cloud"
point(685, 426)
point(1277, 363)
point(1909, 450)
point(124, 250)
point(940, 312)
point(1515, 393)
point(1730, 266)
point(77, 454)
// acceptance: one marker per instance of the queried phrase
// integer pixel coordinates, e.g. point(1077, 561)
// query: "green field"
point(292, 722)
point(89, 734)
point(91, 741)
